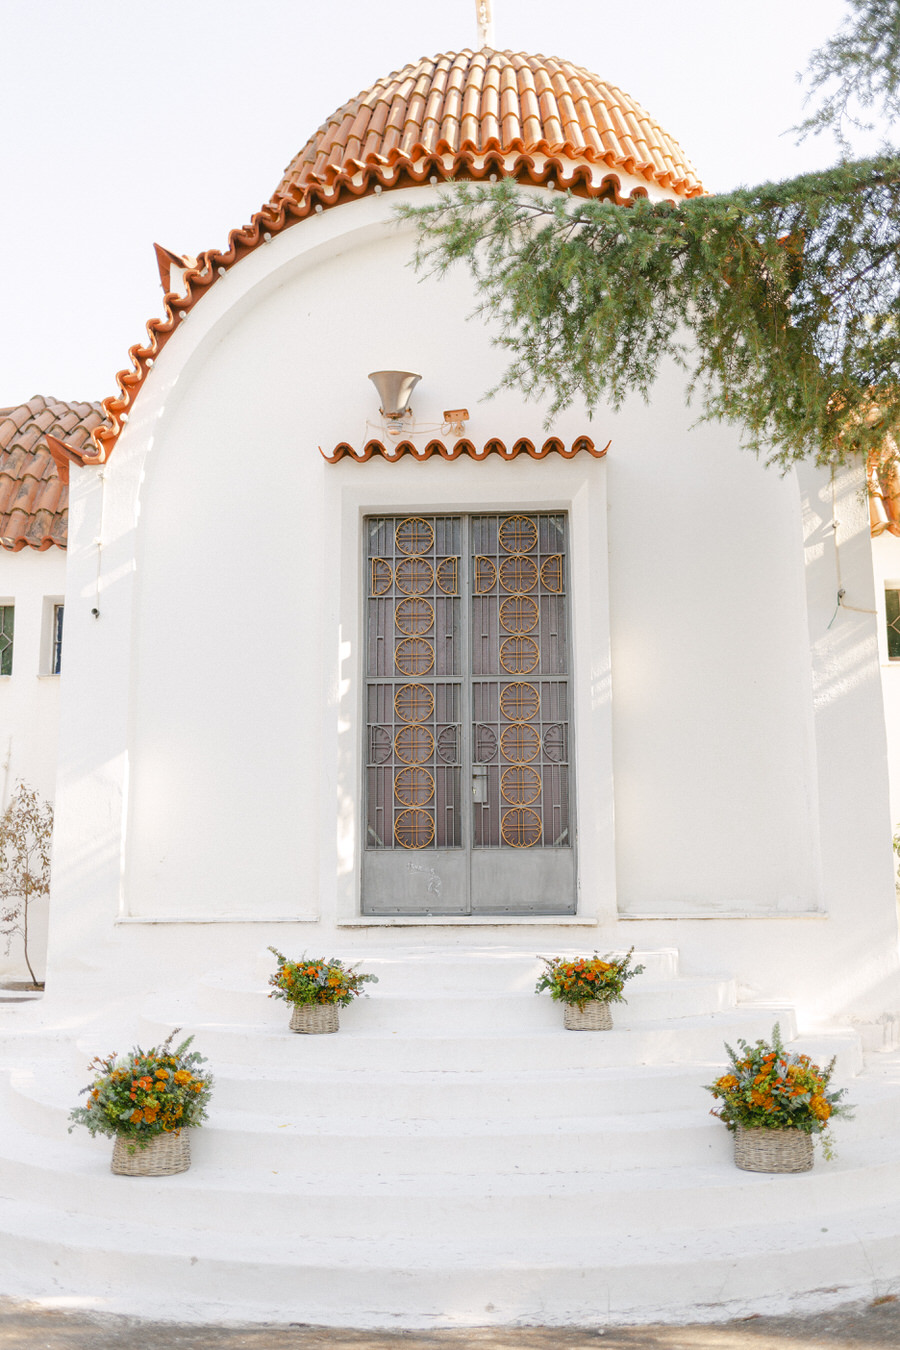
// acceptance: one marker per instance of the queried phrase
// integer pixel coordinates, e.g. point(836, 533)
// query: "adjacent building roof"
point(34, 493)
point(477, 101)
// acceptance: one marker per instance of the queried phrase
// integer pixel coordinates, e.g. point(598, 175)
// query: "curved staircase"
point(451, 1157)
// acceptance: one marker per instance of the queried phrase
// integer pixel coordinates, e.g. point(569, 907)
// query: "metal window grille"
point(892, 614)
point(56, 640)
point(7, 624)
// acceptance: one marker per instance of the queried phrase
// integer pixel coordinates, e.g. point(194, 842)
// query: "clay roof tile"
point(33, 493)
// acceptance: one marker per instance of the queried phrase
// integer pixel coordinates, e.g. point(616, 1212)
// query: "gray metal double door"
point(468, 786)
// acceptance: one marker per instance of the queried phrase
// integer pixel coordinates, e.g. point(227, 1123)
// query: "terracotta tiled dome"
point(476, 102)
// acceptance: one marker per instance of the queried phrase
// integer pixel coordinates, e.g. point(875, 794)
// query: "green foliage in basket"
point(767, 1088)
point(145, 1093)
point(588, 979)
point(313, 980)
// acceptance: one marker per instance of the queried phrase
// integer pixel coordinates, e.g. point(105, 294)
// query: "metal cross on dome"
point(485, 20)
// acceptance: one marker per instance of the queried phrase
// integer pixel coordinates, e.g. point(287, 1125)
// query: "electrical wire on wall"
point(99, 542)
point(841, 592)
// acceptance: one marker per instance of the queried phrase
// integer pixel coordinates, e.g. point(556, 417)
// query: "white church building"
point(384, 669)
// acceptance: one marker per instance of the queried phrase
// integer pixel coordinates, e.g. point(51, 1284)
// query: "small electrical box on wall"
point(455, 420)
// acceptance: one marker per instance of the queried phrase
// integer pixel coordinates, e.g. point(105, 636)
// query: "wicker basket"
point(165, 1155)
point(312, 1019)
point(773, 1150)
point(594, 1016)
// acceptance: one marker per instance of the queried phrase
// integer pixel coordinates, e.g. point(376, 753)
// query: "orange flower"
point(145, 1083)
point(182, 1077)
point(149, 1115)
point(161, 1074)
point(137, 1117)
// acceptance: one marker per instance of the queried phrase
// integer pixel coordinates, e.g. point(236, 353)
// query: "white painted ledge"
point(725, 914)
point(218, 918)
point(468, 921)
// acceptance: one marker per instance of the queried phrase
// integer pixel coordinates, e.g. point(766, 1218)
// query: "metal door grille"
point(520, 716)
point(413, 692)
point(467, 693)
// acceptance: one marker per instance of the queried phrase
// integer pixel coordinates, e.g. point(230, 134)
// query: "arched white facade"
point(730, 745)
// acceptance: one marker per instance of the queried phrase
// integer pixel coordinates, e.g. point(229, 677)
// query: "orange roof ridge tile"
point(493, 446)
point(359, 180)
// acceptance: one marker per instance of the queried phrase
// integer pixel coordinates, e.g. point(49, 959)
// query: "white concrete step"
point(452, 1154)
point(499, 1095)
point(74, 1173)
point(461, 970)
point(647, 1001)
point(411, 1047)
point(301, 1275)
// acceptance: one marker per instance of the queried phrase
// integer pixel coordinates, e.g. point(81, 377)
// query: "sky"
point(126, 123)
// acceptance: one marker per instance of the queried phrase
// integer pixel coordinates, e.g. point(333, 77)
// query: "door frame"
point(356, 490)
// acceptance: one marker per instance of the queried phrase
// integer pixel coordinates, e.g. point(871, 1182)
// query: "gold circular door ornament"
point(414, 703)
point(414, 787)
point(381, 576)
point(519, 785)
point(415, 576)
point(520, 827)
point(518, 655)
point(519, 702)
point(485, 575)
point(519, 743)
point(414, 615)
point(448, 576)
point(414, 536)
point(552, 573)
point(518, 613)
point(414, 744)
point(518, 573)
point(518, 534)
point(414, 829)
point(414, 656)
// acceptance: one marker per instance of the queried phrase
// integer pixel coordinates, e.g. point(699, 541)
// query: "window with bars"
point(56, 638)
point(7, 624)
point(892, 616)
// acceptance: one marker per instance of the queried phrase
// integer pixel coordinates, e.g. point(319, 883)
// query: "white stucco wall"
point(29, 708)
point(210, 753)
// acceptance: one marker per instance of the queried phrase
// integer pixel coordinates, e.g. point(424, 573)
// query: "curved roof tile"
point(505, 98)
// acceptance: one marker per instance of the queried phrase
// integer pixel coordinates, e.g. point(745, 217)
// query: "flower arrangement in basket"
point(316, 988)
point(147, 1101)
point(774, 1102)
point(587, 986)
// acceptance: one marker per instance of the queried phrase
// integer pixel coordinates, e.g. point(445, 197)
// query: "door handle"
point(480, 783)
